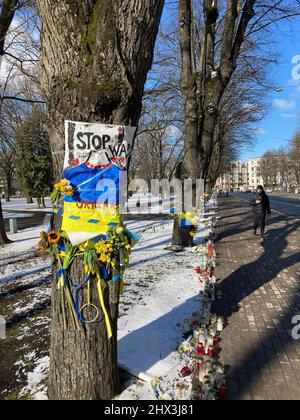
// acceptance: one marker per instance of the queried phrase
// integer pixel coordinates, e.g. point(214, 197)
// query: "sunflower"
point(41, 247)
point(54, 237)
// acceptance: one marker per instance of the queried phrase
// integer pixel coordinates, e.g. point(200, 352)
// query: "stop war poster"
point(96, 158)
point(99, 144)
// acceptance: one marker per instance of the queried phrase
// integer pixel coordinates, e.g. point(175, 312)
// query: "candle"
point(223, 391)
point(196, 316)
point(201, 350)
point(216, 342)
point(211, 351)
point(210, 341)
point(187, 326)
point(220, 324)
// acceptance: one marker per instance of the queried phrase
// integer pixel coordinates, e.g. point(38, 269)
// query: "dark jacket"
point(264, 207)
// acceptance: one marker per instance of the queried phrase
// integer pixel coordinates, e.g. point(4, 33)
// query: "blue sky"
point(283, 117)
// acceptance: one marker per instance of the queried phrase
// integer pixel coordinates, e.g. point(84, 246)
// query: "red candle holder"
point(201, 351)
point(186, 371)
point(223, 391)
point(211, 352)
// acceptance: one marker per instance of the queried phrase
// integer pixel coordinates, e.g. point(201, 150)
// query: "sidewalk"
point(261, 295)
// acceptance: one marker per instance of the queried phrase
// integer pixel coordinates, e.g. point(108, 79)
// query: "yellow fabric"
point(77, 219)
point(189, 216)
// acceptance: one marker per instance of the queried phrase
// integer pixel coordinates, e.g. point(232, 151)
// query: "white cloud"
point(284, 104)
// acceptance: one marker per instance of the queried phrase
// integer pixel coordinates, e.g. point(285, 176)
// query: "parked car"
point(269, 190)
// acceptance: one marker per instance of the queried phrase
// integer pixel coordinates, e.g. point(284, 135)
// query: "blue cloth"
point(89, 183)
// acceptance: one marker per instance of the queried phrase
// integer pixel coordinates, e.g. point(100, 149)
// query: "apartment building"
point(254, 172)
point(241, 175)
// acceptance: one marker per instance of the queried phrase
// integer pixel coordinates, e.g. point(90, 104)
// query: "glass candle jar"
point(220, 324)
point(186, 325)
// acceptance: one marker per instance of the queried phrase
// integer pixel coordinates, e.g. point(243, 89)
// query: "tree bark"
point(6, 17)
point(203, 86)
point(182, 236)
point(96, 56)
point(3, 237)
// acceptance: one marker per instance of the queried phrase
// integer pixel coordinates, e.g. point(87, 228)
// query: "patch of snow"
point(36, 387)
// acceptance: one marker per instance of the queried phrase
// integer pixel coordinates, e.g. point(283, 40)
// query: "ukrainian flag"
point(95, 204)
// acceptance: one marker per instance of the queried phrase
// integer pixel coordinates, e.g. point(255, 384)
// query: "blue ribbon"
point(105, 272)
point(116, 278)
point(62, 272)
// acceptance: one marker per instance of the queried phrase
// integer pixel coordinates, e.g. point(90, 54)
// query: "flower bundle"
point(49, 242)
point(99, 261)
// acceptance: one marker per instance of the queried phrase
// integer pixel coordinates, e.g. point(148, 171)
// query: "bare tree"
point(294, 159)
point(270, 169)
point(211, 44)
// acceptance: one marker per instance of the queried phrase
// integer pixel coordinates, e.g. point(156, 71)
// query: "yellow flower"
point(120, 230)
point(65, 187)
point(54, 237)
point(101, 247)
point(104, 258)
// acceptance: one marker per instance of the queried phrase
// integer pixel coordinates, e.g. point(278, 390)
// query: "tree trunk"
point(29, 199)
point(6, 17)
point(182, 236)
point(3, 237)
point(96, 56)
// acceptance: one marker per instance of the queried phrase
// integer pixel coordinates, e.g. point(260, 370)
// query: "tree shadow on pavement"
point(246, 374)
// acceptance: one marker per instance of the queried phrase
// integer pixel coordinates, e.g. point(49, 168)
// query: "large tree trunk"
point(8, 186)
point(203, 85)
point(190, 167)
point(96, 56)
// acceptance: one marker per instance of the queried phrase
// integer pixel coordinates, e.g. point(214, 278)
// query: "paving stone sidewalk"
point(261, 295)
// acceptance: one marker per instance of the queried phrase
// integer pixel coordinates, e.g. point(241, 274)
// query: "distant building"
point(254, 173)
point(241, 175)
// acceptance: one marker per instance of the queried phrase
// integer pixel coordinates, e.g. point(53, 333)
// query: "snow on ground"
point(160, 295)
point(21, 204)
point(151, 331)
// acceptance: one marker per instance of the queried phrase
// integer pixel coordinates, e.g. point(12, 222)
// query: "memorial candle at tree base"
point(223, 391)
point(186, 325)
point(220, 324)
point(210, 340)
point(196, 334)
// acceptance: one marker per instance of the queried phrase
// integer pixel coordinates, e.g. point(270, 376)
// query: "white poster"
point(99, 144)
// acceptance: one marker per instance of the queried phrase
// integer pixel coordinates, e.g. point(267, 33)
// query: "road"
point(286, 204)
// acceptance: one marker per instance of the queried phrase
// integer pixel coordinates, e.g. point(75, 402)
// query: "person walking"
point(261, 207)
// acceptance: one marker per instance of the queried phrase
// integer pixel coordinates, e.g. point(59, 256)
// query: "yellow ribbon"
point(107, 320)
